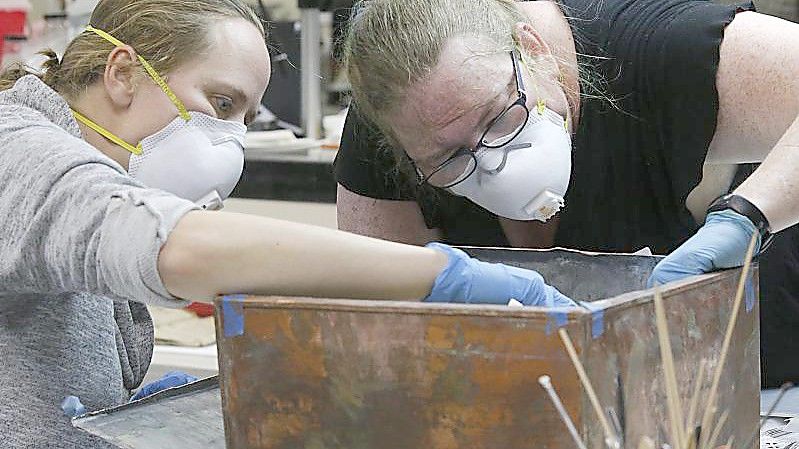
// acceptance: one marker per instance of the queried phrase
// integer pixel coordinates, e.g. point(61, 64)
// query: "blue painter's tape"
point(233, 315)
point(561, 318)
point(597, 318)
point(597, 323)
point(556, 320)
point(749, 288)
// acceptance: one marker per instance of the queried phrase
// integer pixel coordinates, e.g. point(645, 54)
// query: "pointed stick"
point(725, 347)
point(646, 443)
point(567, 342)
point(546, 383)
point(719, 425)
point(669, 375)
point(690, 426)
point(691, 444)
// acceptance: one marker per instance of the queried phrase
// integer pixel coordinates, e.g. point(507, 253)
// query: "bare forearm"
point(774, 187)
point(398, 221)
point(212, 253)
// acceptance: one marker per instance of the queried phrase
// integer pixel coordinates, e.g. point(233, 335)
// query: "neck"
point(548, 19)
point(92, 105)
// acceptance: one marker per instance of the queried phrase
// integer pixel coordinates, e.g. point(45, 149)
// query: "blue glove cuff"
point(742, 222)
point(456, 280)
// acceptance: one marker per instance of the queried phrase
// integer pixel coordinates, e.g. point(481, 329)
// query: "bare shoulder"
point(757, 85)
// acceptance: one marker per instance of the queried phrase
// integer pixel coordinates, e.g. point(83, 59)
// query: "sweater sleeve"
point(74, 221)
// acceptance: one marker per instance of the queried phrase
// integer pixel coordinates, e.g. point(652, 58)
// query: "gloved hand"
point(469, 280)
point(169, 380)
point(721, 243)
point(72, 406)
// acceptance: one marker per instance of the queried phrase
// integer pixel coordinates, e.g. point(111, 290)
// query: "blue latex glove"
point(72, 407)
point(469, 280)
point(169, 380)
point(721, 243)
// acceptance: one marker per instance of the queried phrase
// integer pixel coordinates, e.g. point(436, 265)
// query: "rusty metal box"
point(316, 373)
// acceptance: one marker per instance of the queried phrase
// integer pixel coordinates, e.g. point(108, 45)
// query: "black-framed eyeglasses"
point(501, 130)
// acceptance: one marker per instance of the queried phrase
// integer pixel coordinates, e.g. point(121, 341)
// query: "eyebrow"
point(483, 122)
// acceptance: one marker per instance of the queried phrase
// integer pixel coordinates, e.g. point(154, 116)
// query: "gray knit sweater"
point(79, 241)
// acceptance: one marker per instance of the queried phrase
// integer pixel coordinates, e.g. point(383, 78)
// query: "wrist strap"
point(745, 207)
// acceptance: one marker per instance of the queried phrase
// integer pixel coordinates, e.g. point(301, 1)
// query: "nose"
point(493, 160)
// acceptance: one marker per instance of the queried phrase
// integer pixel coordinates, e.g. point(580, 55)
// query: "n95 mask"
point(200, 160)
point(527, 178)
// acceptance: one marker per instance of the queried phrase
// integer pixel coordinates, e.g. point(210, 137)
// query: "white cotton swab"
point(546, 382)
point(610, 439)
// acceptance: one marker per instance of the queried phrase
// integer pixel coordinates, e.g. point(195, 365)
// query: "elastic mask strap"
point(541, 104)
point(107, 134)
point(184, 114)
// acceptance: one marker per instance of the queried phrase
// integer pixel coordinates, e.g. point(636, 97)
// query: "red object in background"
point(12, 21)
point(201, 309)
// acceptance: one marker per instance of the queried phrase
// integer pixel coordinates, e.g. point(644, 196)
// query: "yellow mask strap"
point(184, 114)
point(107, 134)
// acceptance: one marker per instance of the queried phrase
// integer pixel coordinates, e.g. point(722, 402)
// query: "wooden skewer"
point(690, 427)
point(691, 441)
point(567, 342)
point(646, 443)
point(719, 425)
point(669, 375)
point(725, 347)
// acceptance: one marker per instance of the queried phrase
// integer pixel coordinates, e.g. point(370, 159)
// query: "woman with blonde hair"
point(107, 161)
point(605, 125)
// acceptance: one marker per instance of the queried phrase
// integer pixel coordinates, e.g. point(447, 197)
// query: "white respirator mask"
point(196, 157)
point(527, 178)
point(200, 160)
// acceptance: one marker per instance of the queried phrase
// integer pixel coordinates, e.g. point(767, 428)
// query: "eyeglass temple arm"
point(518, 74)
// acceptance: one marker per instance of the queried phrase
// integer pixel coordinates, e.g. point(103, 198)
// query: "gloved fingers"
point(678, 265)
point(721, 243)
point(469, 280)
point(72, 406)
point(171, 379)
point(562, 300)
point(532, 290)
point(663, 274)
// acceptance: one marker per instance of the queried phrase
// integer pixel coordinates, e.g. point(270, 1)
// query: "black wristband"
point(744, 207)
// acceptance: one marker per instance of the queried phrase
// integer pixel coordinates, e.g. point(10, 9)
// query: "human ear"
point(118, 77)
point(530, 41)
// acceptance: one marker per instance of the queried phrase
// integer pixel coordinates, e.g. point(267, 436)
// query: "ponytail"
point(48, 73)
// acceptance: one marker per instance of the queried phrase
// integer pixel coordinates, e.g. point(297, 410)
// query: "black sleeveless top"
point(634, 161)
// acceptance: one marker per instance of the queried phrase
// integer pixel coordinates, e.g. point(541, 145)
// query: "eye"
point(223, 105)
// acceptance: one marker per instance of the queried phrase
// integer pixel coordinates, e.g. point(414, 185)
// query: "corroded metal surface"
point(186, 417)
point(318, 373)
